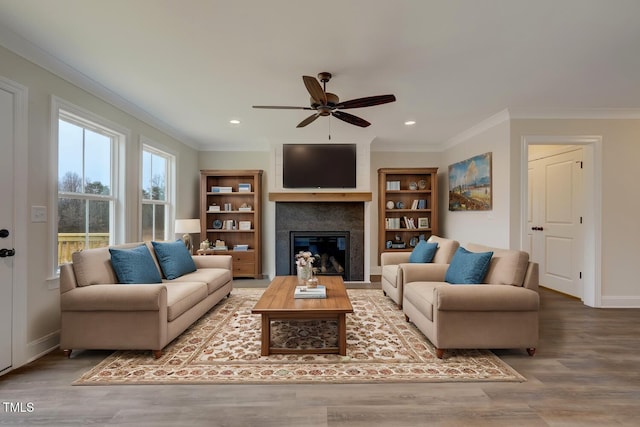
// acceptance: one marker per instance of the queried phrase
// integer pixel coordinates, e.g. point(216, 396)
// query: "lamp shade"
point(187, 226)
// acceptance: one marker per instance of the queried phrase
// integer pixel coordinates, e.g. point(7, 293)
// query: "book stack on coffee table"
point(303, 292)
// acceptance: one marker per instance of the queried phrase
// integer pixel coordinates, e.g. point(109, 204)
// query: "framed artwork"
point(470, 184)
point(423, 222)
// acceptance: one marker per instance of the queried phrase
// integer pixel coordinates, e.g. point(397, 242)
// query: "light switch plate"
point(38, 214)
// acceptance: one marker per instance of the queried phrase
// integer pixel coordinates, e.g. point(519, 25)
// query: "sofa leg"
point(407, 318)
point(157, 354)
point(384, 293)
point(439, 353)
point(67, 353)
point(531, 351)
point(399, 305)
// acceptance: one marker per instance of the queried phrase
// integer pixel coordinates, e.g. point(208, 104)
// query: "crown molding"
point(575, 113)
point(33, 53)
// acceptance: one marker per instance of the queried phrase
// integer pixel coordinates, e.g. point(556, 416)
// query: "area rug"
point(223, 347)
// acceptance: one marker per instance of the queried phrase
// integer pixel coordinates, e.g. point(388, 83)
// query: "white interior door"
point(7, 138)
point(556, 206)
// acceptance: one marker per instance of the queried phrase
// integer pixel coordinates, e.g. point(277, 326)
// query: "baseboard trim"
point(620, 302)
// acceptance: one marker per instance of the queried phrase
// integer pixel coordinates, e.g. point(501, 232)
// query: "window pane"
point(146, 175)
point(160, 222)
point(70, 154)
point(159, 169)
point(97, 163)
point(71, 228)
point(147, 222)
point(99, 223)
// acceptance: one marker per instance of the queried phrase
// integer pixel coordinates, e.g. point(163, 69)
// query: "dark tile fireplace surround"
point(322, 217)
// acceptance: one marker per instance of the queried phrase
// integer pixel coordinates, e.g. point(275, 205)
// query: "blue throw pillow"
point(468, 267)
point(134, 265)
point(174, 258)
point(423, 252)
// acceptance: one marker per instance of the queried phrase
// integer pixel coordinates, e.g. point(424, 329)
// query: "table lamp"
point(186, 227)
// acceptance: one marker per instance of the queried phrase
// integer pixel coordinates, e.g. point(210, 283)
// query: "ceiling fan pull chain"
point(329, 128)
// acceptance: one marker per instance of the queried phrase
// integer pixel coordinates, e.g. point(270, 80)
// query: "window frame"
point(66, 111)
point(150, 146)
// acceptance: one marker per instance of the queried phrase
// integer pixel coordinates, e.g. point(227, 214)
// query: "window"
point(87, 190)
point(156, 210)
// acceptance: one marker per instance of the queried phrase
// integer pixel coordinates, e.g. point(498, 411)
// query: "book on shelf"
point(393, 185)
point(392, 223)
point(303, 292)
point(422, 204)
point(240, 247)
point(242, 187)
point(221, 189)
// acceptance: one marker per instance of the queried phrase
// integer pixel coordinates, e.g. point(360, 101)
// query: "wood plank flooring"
point(586, 373)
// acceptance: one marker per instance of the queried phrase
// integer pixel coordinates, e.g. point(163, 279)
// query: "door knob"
point(7, 252)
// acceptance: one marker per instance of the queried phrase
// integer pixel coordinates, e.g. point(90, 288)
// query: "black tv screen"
point(319, 165)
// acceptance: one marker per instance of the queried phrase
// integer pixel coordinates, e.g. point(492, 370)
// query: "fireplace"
point(339, 223)
point(331, 249)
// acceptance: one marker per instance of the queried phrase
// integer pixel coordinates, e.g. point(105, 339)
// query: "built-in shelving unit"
point(231, 212)
point(407, 207)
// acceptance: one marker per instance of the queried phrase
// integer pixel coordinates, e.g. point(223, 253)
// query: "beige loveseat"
point(392, 280)
point(97, 312)
point(500, 313)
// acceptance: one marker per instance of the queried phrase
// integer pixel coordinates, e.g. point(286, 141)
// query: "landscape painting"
point(470, 184)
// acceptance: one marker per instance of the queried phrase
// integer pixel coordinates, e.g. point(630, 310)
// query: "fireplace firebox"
point(331, 249)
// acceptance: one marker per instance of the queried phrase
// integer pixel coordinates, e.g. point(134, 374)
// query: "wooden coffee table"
point(278, 303)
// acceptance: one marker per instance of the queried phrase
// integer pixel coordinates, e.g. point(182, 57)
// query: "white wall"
point(42, 318)
point(485, 227)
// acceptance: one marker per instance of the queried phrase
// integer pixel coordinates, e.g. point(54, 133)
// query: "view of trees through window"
point(85, 194)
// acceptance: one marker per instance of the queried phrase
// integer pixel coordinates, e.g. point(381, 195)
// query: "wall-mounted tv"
point(319, 165)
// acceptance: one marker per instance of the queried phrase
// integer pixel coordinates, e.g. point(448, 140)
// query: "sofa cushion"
point(174, 258)
point(446, 249)
point(468, 267)
point(134, 265)
point(215, 278)
point(507, 266)
point(423, 252)
point(182, 296)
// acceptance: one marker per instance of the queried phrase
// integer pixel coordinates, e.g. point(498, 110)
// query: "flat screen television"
point(319, 165)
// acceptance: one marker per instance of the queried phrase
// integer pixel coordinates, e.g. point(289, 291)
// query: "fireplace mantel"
point(319, 196)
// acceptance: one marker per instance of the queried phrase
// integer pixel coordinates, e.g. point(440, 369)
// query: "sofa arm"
point(423, 272)
point(147, 297)
point(213, 261)
point(394, 258)
point(485, 298)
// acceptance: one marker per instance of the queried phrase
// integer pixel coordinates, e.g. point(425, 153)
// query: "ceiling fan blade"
point(368, 101)
point(350, 118)
point(282, 107)
point(315, 90)
point(308, 120)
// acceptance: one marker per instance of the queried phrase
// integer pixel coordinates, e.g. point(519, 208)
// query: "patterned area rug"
point(223, 347)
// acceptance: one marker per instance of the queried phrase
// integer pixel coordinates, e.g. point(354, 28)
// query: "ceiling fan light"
point(234, 121)
point(410, 122)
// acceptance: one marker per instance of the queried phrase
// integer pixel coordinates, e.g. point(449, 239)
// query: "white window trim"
point(147, 144)
point(121, 135)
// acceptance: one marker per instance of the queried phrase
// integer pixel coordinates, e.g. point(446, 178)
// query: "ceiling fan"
point(325, 103)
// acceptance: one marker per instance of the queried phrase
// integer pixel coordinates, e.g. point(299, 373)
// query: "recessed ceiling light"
point(410, 122)
point(234, 122)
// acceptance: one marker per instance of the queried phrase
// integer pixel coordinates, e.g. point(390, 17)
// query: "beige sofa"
point(392, 280)
point(99, 313)
point(500, 313)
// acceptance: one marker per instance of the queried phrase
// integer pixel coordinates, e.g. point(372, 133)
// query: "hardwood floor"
point(586, 372)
